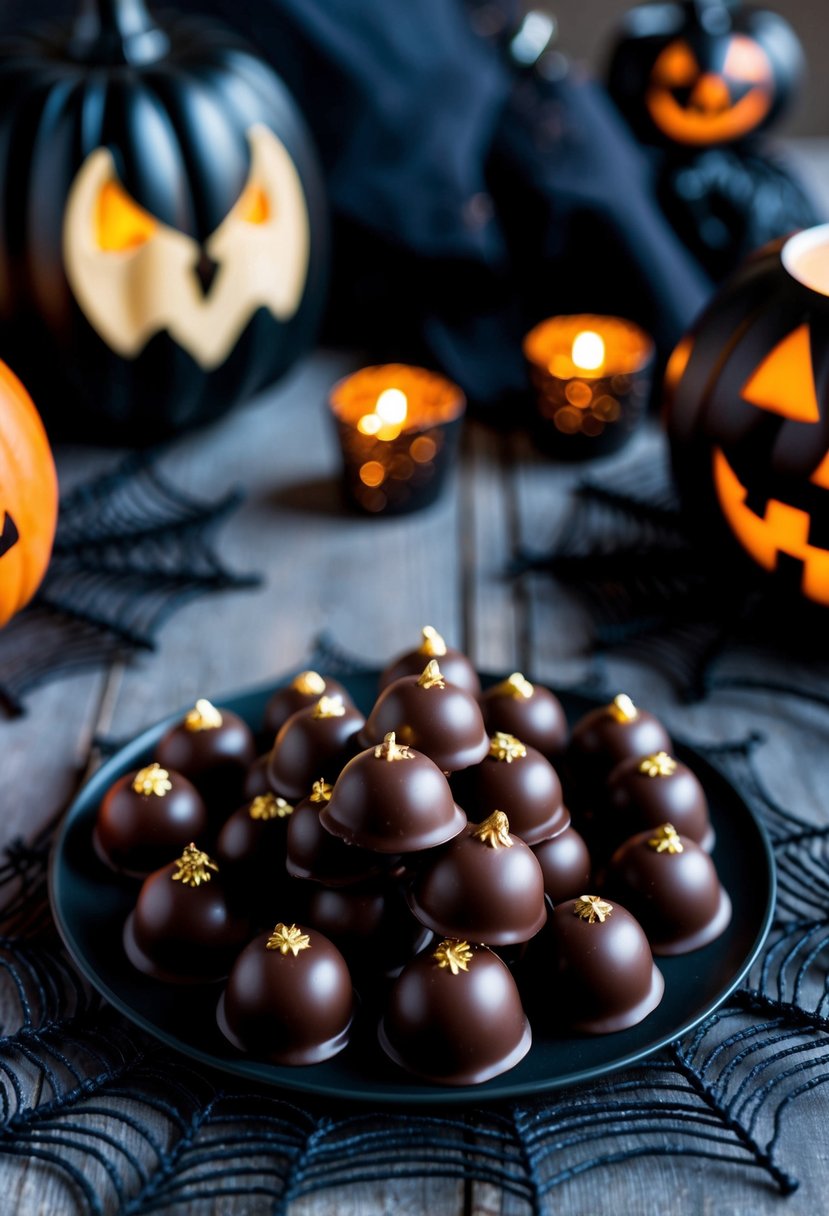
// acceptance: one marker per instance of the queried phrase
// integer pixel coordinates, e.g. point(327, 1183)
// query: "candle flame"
point(588, 350)
point(388, 417)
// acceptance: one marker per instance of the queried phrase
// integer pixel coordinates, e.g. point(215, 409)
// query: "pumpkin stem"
point(116, 31)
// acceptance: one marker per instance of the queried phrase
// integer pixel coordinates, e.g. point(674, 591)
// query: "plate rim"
point(245, 1068)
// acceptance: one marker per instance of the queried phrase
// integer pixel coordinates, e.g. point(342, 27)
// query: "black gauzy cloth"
point(470, 198)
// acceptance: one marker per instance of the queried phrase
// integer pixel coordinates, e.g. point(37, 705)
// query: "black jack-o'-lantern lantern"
point(703, 73)
point(162, 238)
point(747, 396)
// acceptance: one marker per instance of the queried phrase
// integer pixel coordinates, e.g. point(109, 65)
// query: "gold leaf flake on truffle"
point(288, 939)
point(456, 956)
point(592, 908)
point(660, 764)
point(390, 749)
point(666, 840)
point(321, 791)
point(494, 831)
point(309, 683)
point(506, 747)
point(432, 676)
point(152, 780)
point(269, 806)
point(329, 707)
point(203, 716)
point(622, 708)
point(517, 686)
point(433, 644)
point(194, 867)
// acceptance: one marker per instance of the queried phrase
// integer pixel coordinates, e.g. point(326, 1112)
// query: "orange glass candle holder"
point(398, 428)
point(592, 379)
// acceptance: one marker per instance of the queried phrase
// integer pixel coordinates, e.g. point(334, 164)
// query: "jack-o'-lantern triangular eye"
point(120, 224)
point(784, 382)
point(676, 66)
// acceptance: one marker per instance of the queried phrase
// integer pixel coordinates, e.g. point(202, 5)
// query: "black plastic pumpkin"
point(162, 234)
point(704, 72)
point(748, 416)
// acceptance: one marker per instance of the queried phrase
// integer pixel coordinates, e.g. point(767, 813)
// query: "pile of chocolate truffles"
point(423, 857)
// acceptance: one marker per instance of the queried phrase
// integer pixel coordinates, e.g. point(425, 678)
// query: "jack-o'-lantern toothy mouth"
point(782, 531)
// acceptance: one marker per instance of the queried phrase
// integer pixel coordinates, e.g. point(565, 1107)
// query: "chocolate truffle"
point(313, 743)
point(257, 780)
point(392, 799)
point(599, 966)
point(565, 864)
point(433, 716)
point(615, 732)
point(519, 780)
point(314, 853)
point(670, 885)
point(454, 1016)
point(288, 998)
point(146, 818)
point(183, 929)
point(455, 666)
point(371, 923)
point(252, 844)
point(214, 748)
point(486, 886)
point(528, 711)
point(648, 790)
point(304, 689)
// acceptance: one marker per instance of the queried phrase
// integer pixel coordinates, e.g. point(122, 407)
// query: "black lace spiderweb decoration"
point(649, 593)
point(131, 548)
point(132, 1127)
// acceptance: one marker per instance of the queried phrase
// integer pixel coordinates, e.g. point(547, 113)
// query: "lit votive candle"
point(398, 428)
point(592, 378)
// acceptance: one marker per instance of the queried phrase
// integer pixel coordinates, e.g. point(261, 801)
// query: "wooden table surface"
point(371, 584)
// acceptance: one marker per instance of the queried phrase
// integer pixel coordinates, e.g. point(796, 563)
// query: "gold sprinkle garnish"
point(506, 747)
point(152, 780)
point(592, 908)
point(390, 749)
point(432, 676)
point(269, 806)
point(622, 708)
point(194, 867)
point(309, 683)
point(660, 764)
point(666, 840)
point(455, 955)
point(204, 716)
point(494, 831)
point(288, 938)
point(432, 644)
point(330, 707)
point(321, 791)
point(515, 686)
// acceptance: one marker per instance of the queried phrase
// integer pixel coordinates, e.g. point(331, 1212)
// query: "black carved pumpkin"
point(748, 415)
point(703, 73)
point(162, 234)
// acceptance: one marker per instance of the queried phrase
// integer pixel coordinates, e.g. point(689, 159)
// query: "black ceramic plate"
point(90, 905)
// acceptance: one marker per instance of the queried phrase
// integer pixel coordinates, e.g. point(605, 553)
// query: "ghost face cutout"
point(134, 276)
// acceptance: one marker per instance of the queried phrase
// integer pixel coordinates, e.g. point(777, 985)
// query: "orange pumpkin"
point(28, 497)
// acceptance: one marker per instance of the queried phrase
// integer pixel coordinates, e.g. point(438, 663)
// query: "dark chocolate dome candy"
point(612, 733)
point(454, 1016)
point(599, 966)
point(670, 885)
point(183, 929)
point(289, 998)
point(214, 748)
point(529, 711)
point(257, 780)
point(519, 780)
point(313, 853)
point(314, 742)
point(305, 689)
point(456, 667)
point(392, 799)
point(251, 846)
point(371, 924)
point(486, 885)
point(565, 864)
point(645, 791)
point(428, 713)
point(146, 818)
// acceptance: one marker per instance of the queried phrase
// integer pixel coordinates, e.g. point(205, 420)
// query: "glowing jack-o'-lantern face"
point(134, 276)
point(716, 99)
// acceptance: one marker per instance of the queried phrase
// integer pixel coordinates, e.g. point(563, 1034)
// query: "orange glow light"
point(120, 224)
